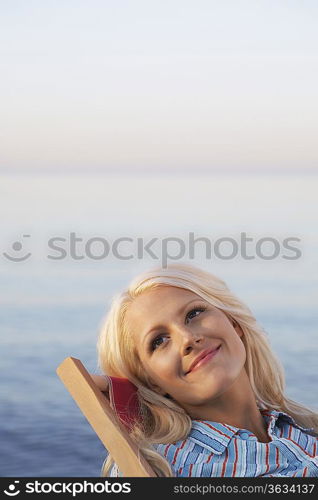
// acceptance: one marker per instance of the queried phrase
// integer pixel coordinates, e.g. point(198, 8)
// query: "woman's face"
point(189, 348)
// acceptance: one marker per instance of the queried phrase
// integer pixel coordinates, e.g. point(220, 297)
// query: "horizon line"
point(159, 171)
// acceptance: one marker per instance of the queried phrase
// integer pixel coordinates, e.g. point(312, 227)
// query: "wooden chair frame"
point(96, 407)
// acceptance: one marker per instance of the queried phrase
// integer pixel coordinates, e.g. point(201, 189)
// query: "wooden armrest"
point(96, 408)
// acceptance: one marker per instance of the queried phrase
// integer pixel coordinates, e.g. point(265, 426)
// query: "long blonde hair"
point(164, 421)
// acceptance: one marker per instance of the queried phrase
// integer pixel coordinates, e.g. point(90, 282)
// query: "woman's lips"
point(205, 359)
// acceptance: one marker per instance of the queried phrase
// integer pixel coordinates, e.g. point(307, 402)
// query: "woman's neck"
point(236, 407)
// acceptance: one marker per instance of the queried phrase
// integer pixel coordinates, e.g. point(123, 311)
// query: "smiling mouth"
point(204, 360)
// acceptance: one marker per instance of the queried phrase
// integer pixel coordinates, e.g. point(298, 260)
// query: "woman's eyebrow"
point(179, 312)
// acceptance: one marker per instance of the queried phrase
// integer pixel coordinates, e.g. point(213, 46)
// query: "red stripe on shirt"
point(266, 458)
point(277, 457)
point(235, 461)
point(166, 450)
point(176, 452)
point(220, 432)
point(225, 462)
point(229, 428)
point(210, 456)
point(302, 449)
point(289, 432)
point(305, 472)
point(175, 456)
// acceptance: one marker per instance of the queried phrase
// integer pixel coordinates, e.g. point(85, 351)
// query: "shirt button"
point(244, 435)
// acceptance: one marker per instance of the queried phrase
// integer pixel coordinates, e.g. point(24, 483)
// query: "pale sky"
point(169, 84)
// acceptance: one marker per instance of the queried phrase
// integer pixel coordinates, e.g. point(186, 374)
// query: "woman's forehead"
point(155, 303)
point(160, 295)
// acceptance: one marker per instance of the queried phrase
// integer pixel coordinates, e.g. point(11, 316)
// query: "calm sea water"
point(51, 309)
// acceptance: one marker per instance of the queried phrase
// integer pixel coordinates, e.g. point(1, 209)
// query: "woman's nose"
point(189, 340)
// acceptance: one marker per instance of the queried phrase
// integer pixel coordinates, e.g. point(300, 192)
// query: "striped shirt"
point(213, 449)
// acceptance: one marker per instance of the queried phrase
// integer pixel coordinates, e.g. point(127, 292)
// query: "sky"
point(159, 85)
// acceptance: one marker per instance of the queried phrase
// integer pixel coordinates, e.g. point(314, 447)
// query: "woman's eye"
point(158, 342)
point(191, 314)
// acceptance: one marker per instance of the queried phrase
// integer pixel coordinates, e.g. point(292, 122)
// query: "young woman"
point(211, 391)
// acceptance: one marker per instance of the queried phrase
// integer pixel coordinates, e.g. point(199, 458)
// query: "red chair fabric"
point(124, 401)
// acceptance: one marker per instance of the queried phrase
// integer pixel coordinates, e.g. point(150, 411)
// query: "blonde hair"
point(164, 421)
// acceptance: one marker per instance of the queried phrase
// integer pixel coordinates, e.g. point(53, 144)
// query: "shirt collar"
point(272, 416)
point(215, 436)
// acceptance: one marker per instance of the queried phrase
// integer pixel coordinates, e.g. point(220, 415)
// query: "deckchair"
point(98, 411)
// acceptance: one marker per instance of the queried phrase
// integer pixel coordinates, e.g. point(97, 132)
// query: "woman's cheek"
point(159, 368)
